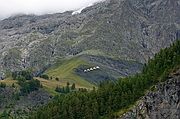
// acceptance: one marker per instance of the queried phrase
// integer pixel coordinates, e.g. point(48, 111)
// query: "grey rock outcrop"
point(164, 103)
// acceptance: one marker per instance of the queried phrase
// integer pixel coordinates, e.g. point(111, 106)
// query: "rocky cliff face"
point(162, 103)
point(127, 29)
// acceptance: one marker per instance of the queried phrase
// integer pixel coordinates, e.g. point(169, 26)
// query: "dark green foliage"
point(45, 76)
point(26, 82)
point(16, 96)
point(2, 85)
point(26, 74)
point(13, 85)
point(73, 87)
point(4, 115)
point(20, 80)
point(60, 90)
point(82, 90)
point(57, 79)
point(66, 89)
point(112, 96)
point(29, 86)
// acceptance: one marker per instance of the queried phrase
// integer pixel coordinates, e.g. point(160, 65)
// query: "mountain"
point(130, 30)
point(113, 59)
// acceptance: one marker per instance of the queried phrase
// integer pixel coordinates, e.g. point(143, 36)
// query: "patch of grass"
point(8, 81)
point(52, 84)
point(64, 70)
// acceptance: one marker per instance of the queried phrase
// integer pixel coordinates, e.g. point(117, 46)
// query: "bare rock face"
point(164, 103)
point(126, 29)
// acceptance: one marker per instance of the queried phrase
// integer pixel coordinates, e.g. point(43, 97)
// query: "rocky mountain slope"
point(20, 106)
point(125, 29)
point(161, 103)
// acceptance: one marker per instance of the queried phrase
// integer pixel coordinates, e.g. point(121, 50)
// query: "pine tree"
point(73, 87)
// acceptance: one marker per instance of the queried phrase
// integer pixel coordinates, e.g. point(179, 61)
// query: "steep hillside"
point(116, 97)
point(125, 29)
point(93, 61)
point(160, 103)
point(13, 105)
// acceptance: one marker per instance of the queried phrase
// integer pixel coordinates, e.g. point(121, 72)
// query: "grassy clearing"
point(8, 81)
point(49, 85)
point(64, 70)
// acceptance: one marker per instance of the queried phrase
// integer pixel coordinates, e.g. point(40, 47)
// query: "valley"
point(110, 60)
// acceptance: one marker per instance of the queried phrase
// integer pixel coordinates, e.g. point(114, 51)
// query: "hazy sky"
point(38, 7)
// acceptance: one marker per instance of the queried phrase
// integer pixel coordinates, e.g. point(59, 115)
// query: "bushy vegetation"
point(26, 82)
point(66, 89)
point(29, 86)
point(2, 85)
point(4, 115)
point(112, 96)
point(45, 76)
point(25, 74)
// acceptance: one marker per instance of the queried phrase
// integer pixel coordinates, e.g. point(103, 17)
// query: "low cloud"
point(39, 7)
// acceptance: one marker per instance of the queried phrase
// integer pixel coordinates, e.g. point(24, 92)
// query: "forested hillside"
point(111, 97)
point(48, 63)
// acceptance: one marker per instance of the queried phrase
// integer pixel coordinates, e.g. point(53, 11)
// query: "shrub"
point(45, 76)
point(29, 86)
point(2, 85)
point(57, 79)
point(26, 74)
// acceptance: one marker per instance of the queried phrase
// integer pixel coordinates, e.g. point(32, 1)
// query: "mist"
point(40, 7)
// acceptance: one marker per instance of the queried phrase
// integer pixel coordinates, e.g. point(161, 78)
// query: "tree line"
point(112, 96)
point(26, 82)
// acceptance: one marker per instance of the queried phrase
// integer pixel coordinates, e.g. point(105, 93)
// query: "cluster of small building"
point(91, 69)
